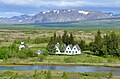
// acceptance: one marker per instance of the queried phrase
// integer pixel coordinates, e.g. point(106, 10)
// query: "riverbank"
point(42, 74)
point(63, 64)
point(55, 60)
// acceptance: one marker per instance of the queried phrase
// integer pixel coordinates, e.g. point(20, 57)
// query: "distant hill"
point(56, 16)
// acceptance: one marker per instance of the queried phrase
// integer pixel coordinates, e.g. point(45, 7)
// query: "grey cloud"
point(64, 3)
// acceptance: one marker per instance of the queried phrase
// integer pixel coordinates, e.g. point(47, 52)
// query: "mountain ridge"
point(66, 15)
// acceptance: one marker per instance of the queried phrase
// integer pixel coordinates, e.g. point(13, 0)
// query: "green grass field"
point(10, 33)
point(54, 75)
point(85, 60)
point(84, 30)
point(82, 24)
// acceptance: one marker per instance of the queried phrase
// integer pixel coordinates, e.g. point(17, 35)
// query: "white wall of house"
point(75, 51)
point(68, 50)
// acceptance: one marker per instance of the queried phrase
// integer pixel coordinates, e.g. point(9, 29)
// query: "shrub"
point(41, 58)
point(65, 75)
point(48, 75)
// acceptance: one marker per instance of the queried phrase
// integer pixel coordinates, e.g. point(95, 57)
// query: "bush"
point(25, 53)
point(96, 74)
point(4, 53)
point(41, 58)
point(48, 75)
point(45, 52)
point(22, 54)
point(65, 75)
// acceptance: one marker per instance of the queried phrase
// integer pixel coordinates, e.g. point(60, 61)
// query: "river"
point(115, 71)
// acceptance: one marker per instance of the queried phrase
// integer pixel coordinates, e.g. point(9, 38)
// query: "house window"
point(76, 51)
point(69, 51)
point(74, 48)
point(66, 51)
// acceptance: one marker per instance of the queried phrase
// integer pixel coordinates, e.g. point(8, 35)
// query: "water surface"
point(115, 71)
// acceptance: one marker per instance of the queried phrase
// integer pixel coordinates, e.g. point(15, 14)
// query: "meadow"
point(37, 38)
point(37, 74)
point(28, 34)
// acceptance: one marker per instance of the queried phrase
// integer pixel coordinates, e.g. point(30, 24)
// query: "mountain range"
point(55, 16)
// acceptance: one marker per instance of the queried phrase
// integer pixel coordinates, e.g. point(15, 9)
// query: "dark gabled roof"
point(70, 45)
point(77, 46)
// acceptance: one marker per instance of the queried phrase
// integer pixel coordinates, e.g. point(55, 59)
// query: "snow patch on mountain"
point(58, 12)
point(69, 10)
point(83, 12)
point(46, 12)
point(54, 11)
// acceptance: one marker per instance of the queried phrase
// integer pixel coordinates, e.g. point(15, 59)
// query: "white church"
point(22, 46)
point(69, 50)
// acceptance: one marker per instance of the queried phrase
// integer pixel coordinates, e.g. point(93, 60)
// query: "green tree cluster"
point(63, 40)
point(106, 45)
point(68, 39)
point(82, 44)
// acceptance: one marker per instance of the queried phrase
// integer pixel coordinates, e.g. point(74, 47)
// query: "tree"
point(65, 37)
point(98, 43)
point(108, 45)
point(112, 44)
point(92, 46)
point(62, 45)
point(51, 44)
point(55, 38)
point(82, 45)
point(71, 39)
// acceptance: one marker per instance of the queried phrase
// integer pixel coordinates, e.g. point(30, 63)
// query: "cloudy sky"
point(17, 7)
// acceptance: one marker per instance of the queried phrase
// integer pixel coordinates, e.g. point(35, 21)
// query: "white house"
point(22, 46)
point(76, 50)
point(69, 50)
point(72, 50)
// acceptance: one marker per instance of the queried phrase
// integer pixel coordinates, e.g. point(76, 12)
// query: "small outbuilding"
point(39, 52)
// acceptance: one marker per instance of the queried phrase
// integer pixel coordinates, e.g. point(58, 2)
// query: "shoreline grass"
point(62, 64)
point(43, 74)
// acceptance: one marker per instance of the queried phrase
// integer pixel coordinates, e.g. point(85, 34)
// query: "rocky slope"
point(57, 16)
